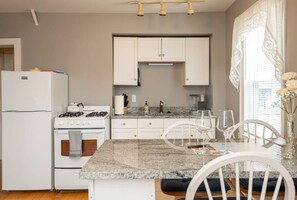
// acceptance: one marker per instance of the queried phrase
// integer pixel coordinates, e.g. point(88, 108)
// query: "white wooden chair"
point(234, 160)
point(182, 134)
point(258, 131)
point(264, 134)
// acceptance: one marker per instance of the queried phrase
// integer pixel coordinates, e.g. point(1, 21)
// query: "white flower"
point(281, 92)
point(292, 85)
point(289, 76)
point(289, 93)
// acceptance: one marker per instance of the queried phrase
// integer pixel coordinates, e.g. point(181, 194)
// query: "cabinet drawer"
point(169, 122)
point(150, 123)
point(150, 133)
point(124, 134)
point(124, 123)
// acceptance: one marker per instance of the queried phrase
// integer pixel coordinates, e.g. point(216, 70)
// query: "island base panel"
point(132, 189)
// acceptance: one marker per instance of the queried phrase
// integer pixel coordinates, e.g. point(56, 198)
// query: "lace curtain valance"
point(270, 15)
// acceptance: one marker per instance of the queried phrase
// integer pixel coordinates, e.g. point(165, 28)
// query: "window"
point(258, 60)
point(258, 82)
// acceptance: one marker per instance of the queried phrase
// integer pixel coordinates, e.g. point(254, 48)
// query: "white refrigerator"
point(30, 101)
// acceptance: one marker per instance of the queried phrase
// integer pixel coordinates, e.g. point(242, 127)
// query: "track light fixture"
point(190, 10)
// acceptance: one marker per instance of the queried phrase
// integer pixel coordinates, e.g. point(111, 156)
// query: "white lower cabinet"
point(124, 129)
point(168, 122)
point(150, 133)
point(151, 128)
point(124, 134)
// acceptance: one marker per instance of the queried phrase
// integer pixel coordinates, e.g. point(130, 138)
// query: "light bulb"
point(190, 10)
point(163, 9)
point(140, 11)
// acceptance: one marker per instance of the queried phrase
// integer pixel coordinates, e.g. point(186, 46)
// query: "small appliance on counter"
point(194, 103)
point(75, 107)
point(202, 102)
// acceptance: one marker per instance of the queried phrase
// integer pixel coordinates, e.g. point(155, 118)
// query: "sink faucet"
point(161, 106)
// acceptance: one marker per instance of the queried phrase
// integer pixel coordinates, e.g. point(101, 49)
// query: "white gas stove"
point(92, 126)
point(90, 117)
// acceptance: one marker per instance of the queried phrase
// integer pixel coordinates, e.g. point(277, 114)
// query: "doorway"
point(7, 58)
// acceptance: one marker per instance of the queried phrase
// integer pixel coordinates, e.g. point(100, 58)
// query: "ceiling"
point(104, 6)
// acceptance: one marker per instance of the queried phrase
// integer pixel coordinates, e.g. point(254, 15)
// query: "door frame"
point(16, 43)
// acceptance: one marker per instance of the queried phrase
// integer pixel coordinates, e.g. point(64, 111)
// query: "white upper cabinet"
point(197, 61)
point(125, 61)
point(161, 49)
point(173, 49)
point(149, 49)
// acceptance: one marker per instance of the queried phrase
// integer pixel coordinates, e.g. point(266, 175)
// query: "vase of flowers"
point(288, 96)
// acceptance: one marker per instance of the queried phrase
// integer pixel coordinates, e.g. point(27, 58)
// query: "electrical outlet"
point(133, 98)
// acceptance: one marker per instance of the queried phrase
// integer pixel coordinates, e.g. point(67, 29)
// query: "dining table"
point(127, 169)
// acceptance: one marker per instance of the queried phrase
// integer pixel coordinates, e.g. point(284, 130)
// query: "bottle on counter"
point(146, 108)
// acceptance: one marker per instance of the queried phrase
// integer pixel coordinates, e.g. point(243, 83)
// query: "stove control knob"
point(84, 122)
point(77, 123)
point(72, 122)
point(90, 123)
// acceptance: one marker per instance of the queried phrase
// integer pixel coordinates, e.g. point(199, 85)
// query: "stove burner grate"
point(97, 114)
point(71, 114)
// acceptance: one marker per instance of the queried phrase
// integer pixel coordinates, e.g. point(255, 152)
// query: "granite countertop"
point(151, 159)
point(169, 112)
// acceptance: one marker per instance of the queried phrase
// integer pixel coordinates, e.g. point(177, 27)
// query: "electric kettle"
point(75, 107)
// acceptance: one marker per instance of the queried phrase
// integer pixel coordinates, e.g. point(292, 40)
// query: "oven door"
point(92, 139)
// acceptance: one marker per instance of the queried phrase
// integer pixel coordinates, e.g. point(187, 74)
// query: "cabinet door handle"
point(135, 79)
point(163, 54)
point(187, 79)
point(160, 55)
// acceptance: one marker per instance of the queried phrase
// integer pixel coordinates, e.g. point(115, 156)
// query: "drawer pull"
point(135, 135)
point(124, 124)
point(150, 123)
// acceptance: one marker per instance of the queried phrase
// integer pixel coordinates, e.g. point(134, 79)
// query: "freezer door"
point(26, 91)
point(27, 157)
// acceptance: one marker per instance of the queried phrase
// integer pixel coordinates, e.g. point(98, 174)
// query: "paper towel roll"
point(119, 105)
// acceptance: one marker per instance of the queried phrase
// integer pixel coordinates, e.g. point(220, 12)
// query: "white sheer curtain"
point(270, 15)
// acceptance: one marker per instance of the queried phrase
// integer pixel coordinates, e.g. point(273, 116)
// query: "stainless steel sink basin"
point(164, 114)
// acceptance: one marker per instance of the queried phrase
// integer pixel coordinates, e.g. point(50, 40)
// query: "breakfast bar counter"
point(128, 168)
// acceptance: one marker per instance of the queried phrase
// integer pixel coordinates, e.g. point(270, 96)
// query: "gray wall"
point(162, 83)
point(232, 97)
point(81, 45)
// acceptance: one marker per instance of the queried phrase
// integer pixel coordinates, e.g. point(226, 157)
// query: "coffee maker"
point(202, 102)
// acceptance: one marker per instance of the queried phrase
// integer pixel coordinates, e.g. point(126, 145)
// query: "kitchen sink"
point(168, 113)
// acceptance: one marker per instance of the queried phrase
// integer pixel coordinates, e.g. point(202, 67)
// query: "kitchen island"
point(127, 169)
